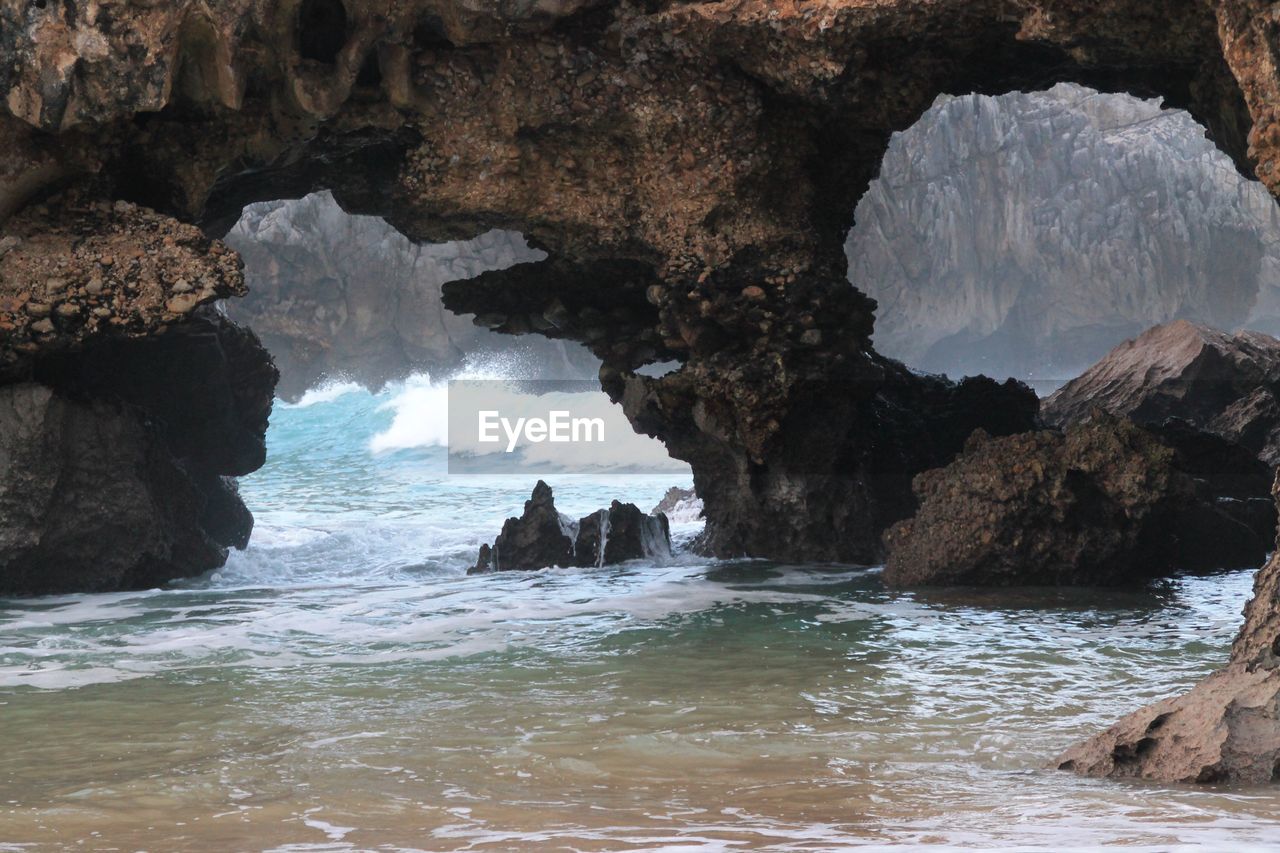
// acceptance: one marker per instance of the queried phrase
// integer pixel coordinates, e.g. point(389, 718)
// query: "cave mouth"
point(374, 375)
point(1027, 234)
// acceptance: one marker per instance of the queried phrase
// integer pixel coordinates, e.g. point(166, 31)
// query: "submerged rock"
point(1226, 729)
point(543, 537)
point(1225, 383)
point(1107, 502)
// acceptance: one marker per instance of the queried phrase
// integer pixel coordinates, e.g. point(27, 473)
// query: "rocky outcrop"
point(540, 538)
point(690, 169)
point(1225, 383)
point(839, 471)
point(92, 499)
point(544, 538)
point(1027, 234)
point(116, 462)
point(338, 296)
point(75, 270)
point(621, 532)
point(680, 506)
point(1224, 730)
point(1107, 502)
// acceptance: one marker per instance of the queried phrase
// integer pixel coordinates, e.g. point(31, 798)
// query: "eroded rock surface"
point(622, 531)
point(1226, 729)
point(75, 270)
point(116, 463)
point(92, 499)
point(1225, 383)
point(690, 169)
point(542, 537)
point(1027, 234)
point(1107, 502)
point(340, 296)
point(680, 506)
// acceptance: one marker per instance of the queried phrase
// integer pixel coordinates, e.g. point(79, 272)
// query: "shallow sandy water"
point(343, 685)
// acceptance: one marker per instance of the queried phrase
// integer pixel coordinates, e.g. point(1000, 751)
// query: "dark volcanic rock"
point(840, 464)
point(543, 537)
point(1225, 383)
point(1108, 502)
point(690, 169)
point(1225, 730)
point(625, 532)
point(116, 467)
point(208, 381)
point(539, 538)
point(92, 499)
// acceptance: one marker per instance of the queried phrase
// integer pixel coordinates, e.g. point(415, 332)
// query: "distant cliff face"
point(1027, 234)
point(335, 295)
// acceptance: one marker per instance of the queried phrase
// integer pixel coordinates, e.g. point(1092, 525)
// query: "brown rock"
point(784, 108)
point(1225, 730)
point(1225, 383)
point(1108, 502)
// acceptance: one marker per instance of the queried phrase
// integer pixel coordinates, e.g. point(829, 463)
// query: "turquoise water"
point(344, 685)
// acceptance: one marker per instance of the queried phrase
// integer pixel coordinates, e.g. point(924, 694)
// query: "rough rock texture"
point(1225, 730)
point(116, 463)
point(1108, 502)
point(539, 538)
point(1027, 234)
point(838, 471)
point(1227, 384)
point(92, 499)
point(341, 296)
point(696, 164)
point(621, 532)
point(74, 270)
point(680, 506)
point(543, 538)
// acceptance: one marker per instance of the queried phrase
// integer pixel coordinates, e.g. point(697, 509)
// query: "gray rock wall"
point(335, 295)
point(1027, 234)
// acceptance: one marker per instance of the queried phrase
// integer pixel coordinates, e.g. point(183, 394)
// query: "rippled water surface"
point(343, 685)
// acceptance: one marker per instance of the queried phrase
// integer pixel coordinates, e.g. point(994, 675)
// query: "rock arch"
point(690, 168)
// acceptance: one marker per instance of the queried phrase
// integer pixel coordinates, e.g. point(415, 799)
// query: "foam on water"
point(343, 684)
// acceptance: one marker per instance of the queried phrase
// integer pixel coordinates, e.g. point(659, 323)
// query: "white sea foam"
point(326, 392)
point(421, 419)
point(421, 416)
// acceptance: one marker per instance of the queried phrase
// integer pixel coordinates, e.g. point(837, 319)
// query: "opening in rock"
point(1027, 234)
point(322, 30)
point(359, 448)
point(370, 75)
point(429, 34)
